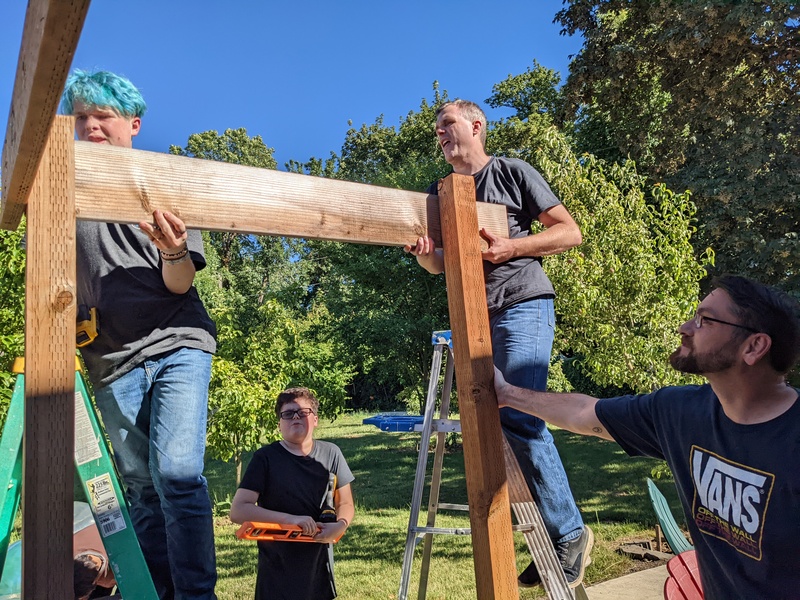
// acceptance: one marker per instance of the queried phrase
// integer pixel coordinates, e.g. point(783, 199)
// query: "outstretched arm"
point(573, 412)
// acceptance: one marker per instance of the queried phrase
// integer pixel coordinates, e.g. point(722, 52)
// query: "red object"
point(683, 582)
point(274, 532)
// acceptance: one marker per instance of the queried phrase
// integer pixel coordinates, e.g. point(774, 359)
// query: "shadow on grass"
point(608, 485)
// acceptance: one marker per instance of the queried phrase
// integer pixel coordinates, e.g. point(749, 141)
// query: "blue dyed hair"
point(102, 89)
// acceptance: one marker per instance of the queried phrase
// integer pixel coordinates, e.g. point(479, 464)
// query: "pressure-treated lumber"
point(124, 185)
point(48, 443)
point(487, 489)
point(49, 39)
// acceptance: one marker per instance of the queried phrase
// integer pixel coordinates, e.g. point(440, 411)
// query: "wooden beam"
point(48, 443)
point(49, 39)
point(487, 489)
point(124, 185)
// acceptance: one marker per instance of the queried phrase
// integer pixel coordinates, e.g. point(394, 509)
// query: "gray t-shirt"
point(119, 273)
point(524, 192)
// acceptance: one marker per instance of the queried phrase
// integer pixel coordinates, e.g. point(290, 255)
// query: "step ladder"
point(527, 516)
point(99, 482)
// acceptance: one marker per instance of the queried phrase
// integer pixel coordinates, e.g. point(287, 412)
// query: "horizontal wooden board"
point(125, 186)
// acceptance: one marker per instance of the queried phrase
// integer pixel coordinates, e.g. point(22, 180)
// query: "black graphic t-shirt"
point(739, 485)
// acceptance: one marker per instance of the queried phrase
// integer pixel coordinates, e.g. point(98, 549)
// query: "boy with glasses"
point(287, 482)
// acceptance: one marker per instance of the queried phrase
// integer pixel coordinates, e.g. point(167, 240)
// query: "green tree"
point(12, 309)
point(624, 291)
point(270, 336)
point(382, 306)
point(621, 294)
point(704, 96)
point(533, 92)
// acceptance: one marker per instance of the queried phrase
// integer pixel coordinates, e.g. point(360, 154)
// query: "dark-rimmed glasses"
point(302, 413)
point(698, 323)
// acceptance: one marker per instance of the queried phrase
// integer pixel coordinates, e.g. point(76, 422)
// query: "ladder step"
point(446, 506)
point(442, 530)
point(442, 426)
point(520, 527)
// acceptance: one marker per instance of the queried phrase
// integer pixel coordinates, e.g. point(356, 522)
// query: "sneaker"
point(574, 557)
point(529, 577)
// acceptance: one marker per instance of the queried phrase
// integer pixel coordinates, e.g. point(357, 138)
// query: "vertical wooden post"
point(487, 489)
point(50, 305)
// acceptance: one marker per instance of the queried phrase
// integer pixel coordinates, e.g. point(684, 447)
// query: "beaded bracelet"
point(179, 254)
point(175, 261)
point(175, 256)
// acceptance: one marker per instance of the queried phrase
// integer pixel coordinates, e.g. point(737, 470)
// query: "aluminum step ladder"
point(529, 521)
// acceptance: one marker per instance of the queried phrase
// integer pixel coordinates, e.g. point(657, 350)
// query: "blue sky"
point(296, 72)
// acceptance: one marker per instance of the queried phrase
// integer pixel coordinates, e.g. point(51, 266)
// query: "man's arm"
point(573, 412)
point(428, 255)
point(560, 234)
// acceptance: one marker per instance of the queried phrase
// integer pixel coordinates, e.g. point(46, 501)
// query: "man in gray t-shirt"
point(151, 362)
point(521, 314)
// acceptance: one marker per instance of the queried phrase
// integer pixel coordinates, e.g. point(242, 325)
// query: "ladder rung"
point(442, 426)
point(520, 527)
point(446, 506)
point(442, 530)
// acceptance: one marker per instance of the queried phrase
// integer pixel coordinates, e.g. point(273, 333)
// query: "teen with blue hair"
point(151, 363)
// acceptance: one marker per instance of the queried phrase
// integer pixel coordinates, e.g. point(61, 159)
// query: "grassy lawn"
point(609, 487)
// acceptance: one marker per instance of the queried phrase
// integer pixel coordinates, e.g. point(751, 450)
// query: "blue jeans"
point(155, 417)
point(522, 340)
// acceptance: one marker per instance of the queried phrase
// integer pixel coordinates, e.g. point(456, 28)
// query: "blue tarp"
point(394, 421)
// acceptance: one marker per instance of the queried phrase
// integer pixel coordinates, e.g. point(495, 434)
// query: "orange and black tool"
point(274, 532)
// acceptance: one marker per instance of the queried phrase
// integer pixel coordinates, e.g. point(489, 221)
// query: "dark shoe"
point(529, 577)
point(574, 557)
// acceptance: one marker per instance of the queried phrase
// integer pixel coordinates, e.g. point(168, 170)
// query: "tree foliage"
point(704, 96)
point(270, 335)
point(533, 92)
point(621, 294)
point(12, 309)
point(383, 307)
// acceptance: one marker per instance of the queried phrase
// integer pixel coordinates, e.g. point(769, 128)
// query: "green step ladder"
point(99, 482)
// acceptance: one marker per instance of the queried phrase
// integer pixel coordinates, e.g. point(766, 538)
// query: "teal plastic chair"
point(675, 538)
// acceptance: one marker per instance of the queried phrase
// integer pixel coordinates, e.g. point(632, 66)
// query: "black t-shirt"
point(524, 192)
point(119, 273)
point(739, 485)
point(296, 485)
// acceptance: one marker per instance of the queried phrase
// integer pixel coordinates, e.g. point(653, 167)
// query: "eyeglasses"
point(698, 323)
point(302, 413)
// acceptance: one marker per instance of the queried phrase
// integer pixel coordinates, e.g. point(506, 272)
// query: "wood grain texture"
point(124, 185)
point(49, 440)
point(49, 39)
point(487, 490)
